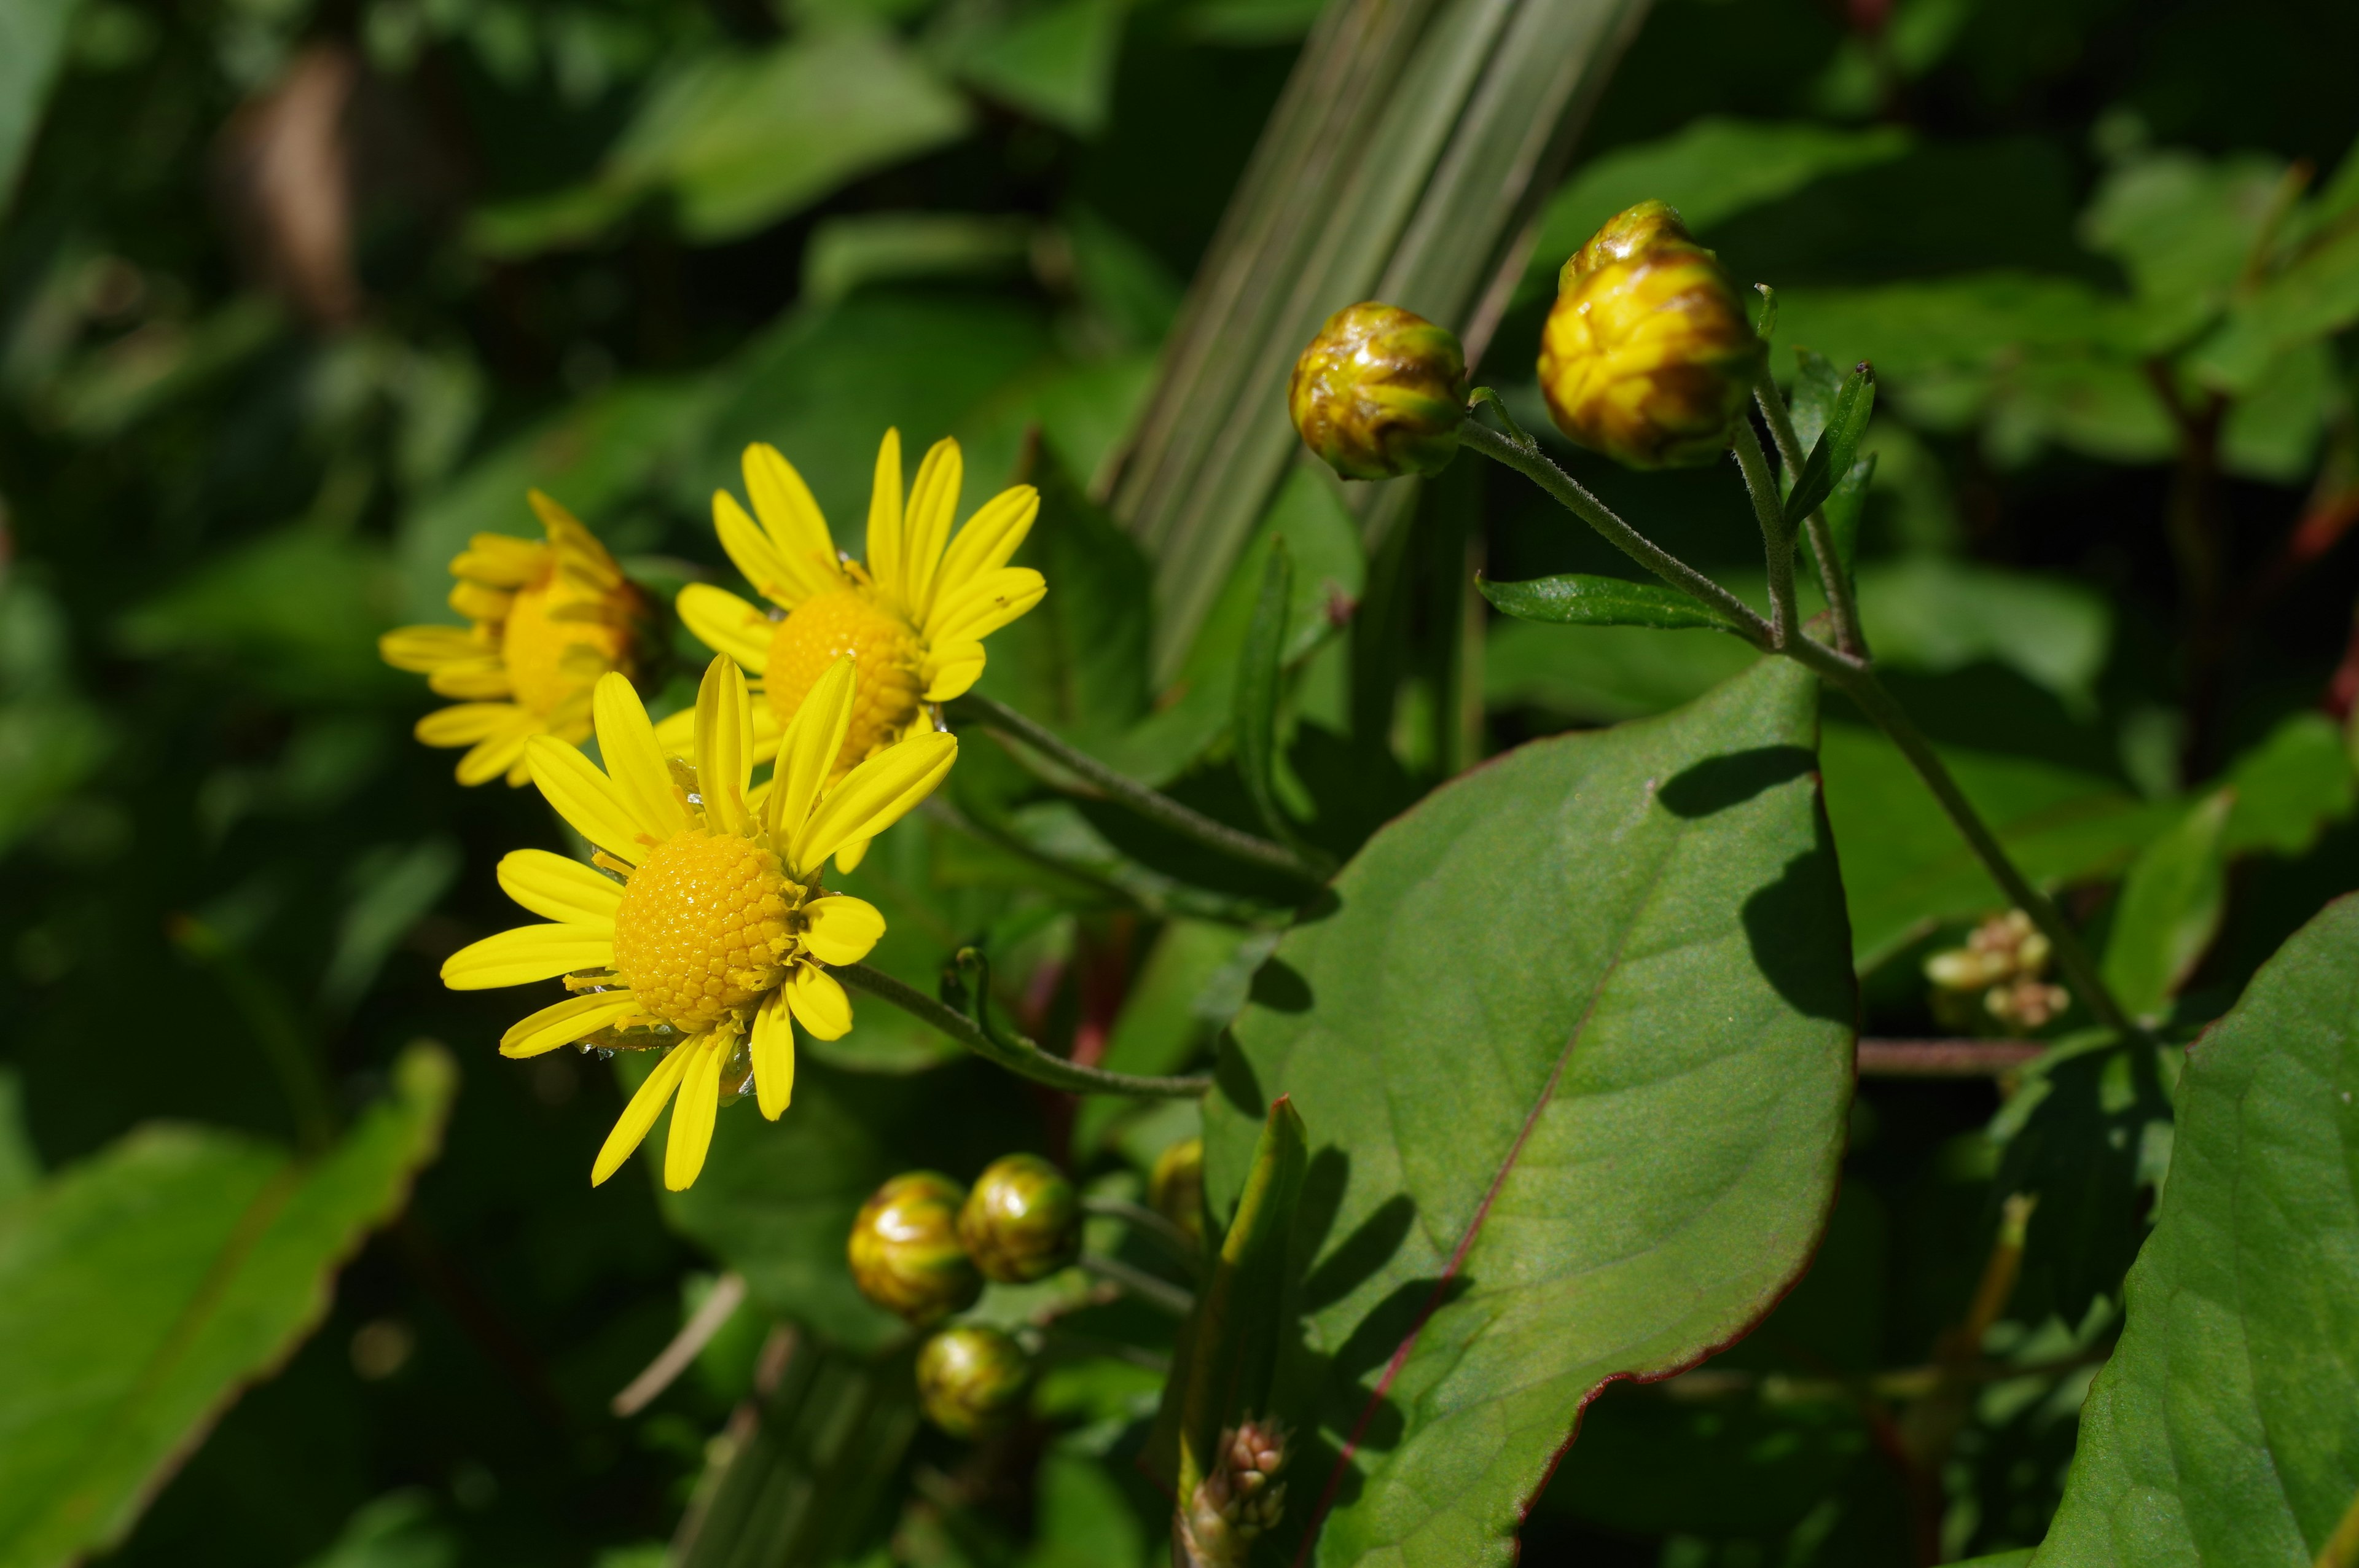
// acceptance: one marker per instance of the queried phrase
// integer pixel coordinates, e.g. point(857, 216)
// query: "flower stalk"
point(1776, 544)
point(1842, 602)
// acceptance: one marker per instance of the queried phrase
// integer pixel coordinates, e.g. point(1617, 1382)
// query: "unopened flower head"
point(905, 1250)
point(1998, 978)
point(1175, 1188)
point(1379, 392)
point(1023, 1220)
point(711, 925)
point(546, 621)
point(972, 1379)
point(1648, 355)
point(912, 618)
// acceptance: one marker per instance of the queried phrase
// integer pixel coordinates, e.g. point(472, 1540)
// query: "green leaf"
point(1602, 675)
point(2169, 909)
point(396, 1530)
point(1573, 600)
point(1836, 449)
point(1260, 668)
point(295, 612)
point(2290, 786)
point(1845, 505)
point(1906, 867)
point(2225, 1428)
point(1055, 62)
point(850, 253)
point(32, 41)
point(2183, 227)
point(1574, 1045)
point(1934, 613)
point(2315, 297)
point(141, 1289)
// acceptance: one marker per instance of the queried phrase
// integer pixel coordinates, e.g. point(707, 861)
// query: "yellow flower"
point(718, 929)
point(912, 619)
point(549, 619)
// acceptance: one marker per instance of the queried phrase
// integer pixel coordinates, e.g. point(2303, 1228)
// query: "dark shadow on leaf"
point(1802, 937)
point(1324, 1183)
point(1280, 986)
point(1718, 782)
point(1237, 1080)
point(1369, 1247)
point(1391, 1321)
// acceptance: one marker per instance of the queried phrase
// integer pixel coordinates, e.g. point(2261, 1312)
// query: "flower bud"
point(905, 1248)
point(1240, 1499)
point(1022, 1221)
point(972, 1379)
point(1380, 392)
point(1175, 1188)
point(1648, 355)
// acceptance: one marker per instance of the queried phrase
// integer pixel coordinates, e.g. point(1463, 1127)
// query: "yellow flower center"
point(539, 642)
point(886, 655)
point(702, 929)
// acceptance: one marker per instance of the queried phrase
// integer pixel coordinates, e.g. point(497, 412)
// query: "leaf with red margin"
point(1574, 1043)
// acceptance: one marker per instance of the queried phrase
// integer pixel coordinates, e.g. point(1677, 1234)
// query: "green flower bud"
point(1648, 355)
point(972, 1379)
point(1380, 392)
point(905, 1248)
point(1175, 1188)
point(1023, 1220)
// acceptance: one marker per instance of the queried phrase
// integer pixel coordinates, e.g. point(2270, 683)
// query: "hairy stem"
point(1151, 804)
point(1776, 544)
point(1849, 636)
point(1013, 1051)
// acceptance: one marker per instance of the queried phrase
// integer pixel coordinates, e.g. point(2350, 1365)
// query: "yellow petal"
point(693, 1113)
point(808, 750)
point(575, 1018)
point(583, 797)
point(580, 555)
point(557, 888)
point(933, 502)
point(986, 603)
point(774, 1056)
point(527, 954)
point(724, 744)
point(849, 856)
point(884, 551)
point(952, 669)
point(633, 761)
point(488, 760)
point(500, 561)
point(478, 679)
point(476, 602)
point(726, 624)
point(875, 796)
point(989, 540)
point(641, 1113)
point(792, 519)
point(472, 721)
point(422, 650)
point(676, 734)
point(842, 928)
point(818, 1002)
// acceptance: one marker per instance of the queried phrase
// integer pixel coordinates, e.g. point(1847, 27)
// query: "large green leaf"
point(143, 1288)
point(32, 40)
point(2226, 1429)
point(1573, 1048)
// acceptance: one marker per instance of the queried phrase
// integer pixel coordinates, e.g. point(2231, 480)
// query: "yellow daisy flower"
point(912, 619)
point(548, 621)
point(718, 929)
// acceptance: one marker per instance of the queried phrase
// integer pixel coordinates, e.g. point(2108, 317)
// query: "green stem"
point(1015, 1053)
point(1146, 1287)
point(1182, 1247)
point(1523, 455)
point(1151, 804)
point(1858, 682)
point(1776, 544)
point(1849, 635)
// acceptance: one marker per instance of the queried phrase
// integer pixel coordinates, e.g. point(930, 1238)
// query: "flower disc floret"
point(886, 654)
point(702, 930)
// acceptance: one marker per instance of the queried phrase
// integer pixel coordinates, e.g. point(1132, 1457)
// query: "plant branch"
point(1015, 1053)
point(1521, 453)
point(1146, 1287)
point(1946, 1058)
point(1181, 1246)
point(1151, 804)
point(1777, 543)
point(1849, 635)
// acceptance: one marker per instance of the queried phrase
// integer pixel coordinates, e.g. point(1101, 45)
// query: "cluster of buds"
point(1380, 392)
point(1997, 979)
point(1648, 355)
point(1241, 1499)
point(972, 1379)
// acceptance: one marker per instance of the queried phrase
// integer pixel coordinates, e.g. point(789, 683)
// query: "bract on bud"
point(1648, 355)
point(972, 1379)
point(1380, 392)
point(905, 1248)
point(1175, 1188)
point(1022, 1220)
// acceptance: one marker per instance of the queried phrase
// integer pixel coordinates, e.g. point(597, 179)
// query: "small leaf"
point(2224, 1428)
point(1574, 600)
point(1765, 320)
point(1844, 506)
point(1816, 383)
point(1260, 664)
point(2170, 907)
point(1837, 448)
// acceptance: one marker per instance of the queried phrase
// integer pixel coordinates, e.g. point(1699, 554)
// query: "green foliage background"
point(295, 296)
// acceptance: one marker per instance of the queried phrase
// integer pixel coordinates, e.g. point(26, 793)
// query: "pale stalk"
point(1849, 635)
point(1013, 1051)
point(1777, 542)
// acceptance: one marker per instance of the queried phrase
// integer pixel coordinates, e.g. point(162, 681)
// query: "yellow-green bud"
point(1175, 1188)
point(1022, 1221)
point(1648, 355)
point(905, 1248)
point(972, 1379)
point(1380, 392)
